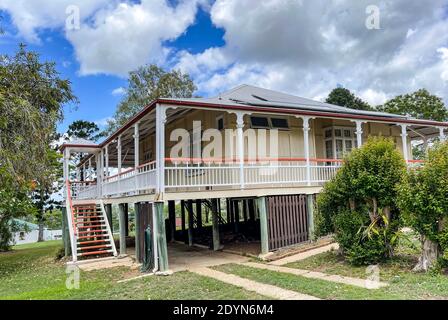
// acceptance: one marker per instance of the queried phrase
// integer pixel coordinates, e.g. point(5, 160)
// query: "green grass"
point(31, 272)
point(403, 282)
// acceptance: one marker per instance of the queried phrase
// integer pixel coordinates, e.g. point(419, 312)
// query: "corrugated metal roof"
point(254, 96)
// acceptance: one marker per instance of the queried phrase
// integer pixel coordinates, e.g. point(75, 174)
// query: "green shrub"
point(423, 198)
point(358, 205)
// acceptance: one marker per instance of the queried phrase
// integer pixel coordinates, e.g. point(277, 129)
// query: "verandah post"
point(260, 204)
point(138, 231)
point(182, 217)
point(310, 211)
point(306, 143)
point(190, 222)
point(404, 141)
point(172, 219)
point(108, 208)
point(66, 233)
point(161, 237)
point(160, 149)
point(199, 214)
point(215, 225)
point(122, 221)
point(240, 139)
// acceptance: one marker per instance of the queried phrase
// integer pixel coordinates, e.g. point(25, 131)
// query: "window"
point(220, 123)
point(267, 123)
point(279, 123)
point(259, 122)
point(339, 141)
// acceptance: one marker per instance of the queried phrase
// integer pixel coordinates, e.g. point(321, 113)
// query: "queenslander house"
point(244, 167)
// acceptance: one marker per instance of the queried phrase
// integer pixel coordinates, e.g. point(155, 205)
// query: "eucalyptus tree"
point(32, 96)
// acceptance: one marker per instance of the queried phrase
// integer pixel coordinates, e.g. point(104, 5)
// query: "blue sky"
point(300, 47)
point(96, 100)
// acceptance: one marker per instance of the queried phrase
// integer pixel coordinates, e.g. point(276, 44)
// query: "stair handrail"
point(71, 220)
point(109, 231)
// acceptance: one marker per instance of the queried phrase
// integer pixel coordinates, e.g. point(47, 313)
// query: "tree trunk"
point(40, 236)
point(430, 253)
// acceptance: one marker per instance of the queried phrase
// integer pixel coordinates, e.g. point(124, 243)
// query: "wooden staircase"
point(92, 232)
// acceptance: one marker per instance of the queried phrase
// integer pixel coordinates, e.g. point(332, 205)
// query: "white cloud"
point(130, 35)
point(118, 91)
point(115, 36)
point(373, 97)
point(444, 57)
point(32, 16)
point(308, 47)
point(297, 46)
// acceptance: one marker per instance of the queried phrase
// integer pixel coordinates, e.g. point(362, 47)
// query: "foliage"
point(419, 104)
point(14, 202)
point(423, 199)
point(359, 203)
point(344, 98)
point(32, 96)
point(44, 196)
point(83, 129)
point(146, 84)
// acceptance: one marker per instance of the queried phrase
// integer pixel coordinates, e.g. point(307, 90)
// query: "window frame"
point(342, 138)
point(269, 121)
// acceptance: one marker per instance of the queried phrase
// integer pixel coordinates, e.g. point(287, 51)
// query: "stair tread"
point(94, 236)
point(94, 252)
point(95, 247)
point(93, 241)
point(91, 226)
point(89, 231)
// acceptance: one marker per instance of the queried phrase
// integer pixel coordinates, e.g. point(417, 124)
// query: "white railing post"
point(240, 139)
point(306, 143)
point(359, 132)
point(136, 152)
point(404, 141)
point(119, 162)
point(160, 148)
point(107, 160)
point(442, 134)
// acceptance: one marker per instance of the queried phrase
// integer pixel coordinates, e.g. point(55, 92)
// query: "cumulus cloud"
point(308, 47)
point(297, 46)
point(118, 91)
point(130, 35)
point(32, 16)
point(114, 37)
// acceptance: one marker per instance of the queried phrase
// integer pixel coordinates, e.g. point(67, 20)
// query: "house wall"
point(290, 145)
point(32, 236)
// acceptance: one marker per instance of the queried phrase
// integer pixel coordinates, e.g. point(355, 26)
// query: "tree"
point(32, 96)
point(146, 84)
point(84, 130)
point(344, 98)
point(359, 203)
point(419, 104)
point(44, 195)
point(423, 199)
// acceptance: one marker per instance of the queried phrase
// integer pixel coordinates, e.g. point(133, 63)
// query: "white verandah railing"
point(131, 181)
point(210, 174)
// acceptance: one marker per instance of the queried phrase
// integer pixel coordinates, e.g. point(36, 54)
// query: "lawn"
point(32, 272)
point(403, 282)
